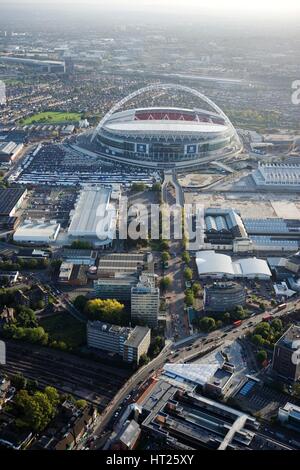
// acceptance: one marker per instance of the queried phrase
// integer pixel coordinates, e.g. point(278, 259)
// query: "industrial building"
point(223, 297)
point(277, 176)
point(40, 232)
point(42, 66)
point(9, 151)
point(94, 218)
point(11, 200)
point(145, 301)
point(218, 266)
point(77, 256)
point(129, 343)
point(286, 355)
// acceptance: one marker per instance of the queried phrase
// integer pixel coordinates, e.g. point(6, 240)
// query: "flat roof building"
point(289, 416)
point(11, 200)
point(129, 343)
point(273, 175)
point(37, 232)
point(94, 218)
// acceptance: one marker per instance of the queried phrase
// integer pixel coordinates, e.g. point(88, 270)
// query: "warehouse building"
point(94, 217)
point(9, 151)
point(218, 266)
point(277, 176)
point(145, 301)
point(224, 297)
point(11, 200)
point(84, 257)
point(38, 232)
point(129, 343)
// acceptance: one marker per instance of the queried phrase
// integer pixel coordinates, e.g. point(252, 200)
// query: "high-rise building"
point(286, 356)
point(145, 301)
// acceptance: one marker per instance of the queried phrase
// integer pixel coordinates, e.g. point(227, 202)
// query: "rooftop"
point(137, 336)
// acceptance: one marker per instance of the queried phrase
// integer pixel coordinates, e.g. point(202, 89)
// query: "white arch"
point(164, 86)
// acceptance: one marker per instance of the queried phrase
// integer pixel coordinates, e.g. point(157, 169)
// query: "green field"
point(64, 327)
point(50, 117)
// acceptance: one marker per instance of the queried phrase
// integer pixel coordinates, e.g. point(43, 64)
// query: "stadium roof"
point(165, 126)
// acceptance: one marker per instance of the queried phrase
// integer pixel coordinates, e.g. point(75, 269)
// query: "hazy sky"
point(230, 7)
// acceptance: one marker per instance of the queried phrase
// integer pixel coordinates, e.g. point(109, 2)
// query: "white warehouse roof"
point(37, 231)
point(210, 263)
point(93, 216)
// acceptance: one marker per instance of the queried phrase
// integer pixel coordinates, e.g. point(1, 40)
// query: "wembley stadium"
point(166, 137)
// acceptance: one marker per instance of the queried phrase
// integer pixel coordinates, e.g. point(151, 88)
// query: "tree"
point(258, 339)
point(164, 245)
point(207, 324)
point(144, 359)
point(108, 310)
point(18, 381)
point(276, 324)
point(189, 299)
point(80, 302)
point(138, 187)
point(196, 288)
point(188, 274)
point(81, 404)
point(156, 187)
point(186, 257)
point(81, 245)
point(37, 410)
point(165, 256)
point(261, 356)
point(26, 317)
point(165, 283)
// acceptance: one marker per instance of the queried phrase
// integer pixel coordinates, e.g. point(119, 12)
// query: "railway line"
point(96, 383)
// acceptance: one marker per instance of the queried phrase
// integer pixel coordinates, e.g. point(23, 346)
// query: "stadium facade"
point(165, 137)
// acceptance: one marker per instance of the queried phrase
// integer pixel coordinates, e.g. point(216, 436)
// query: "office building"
point(286, 355)
point(145, 301)
point(115, 287)
point(289, 416)
point(128, 343)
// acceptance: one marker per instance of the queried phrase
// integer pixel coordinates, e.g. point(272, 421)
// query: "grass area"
point(50, 117)
point(64, 327)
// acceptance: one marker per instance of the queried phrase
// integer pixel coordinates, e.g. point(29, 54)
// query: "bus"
point(267, 317)
point(281, 307)
point(237, 323)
